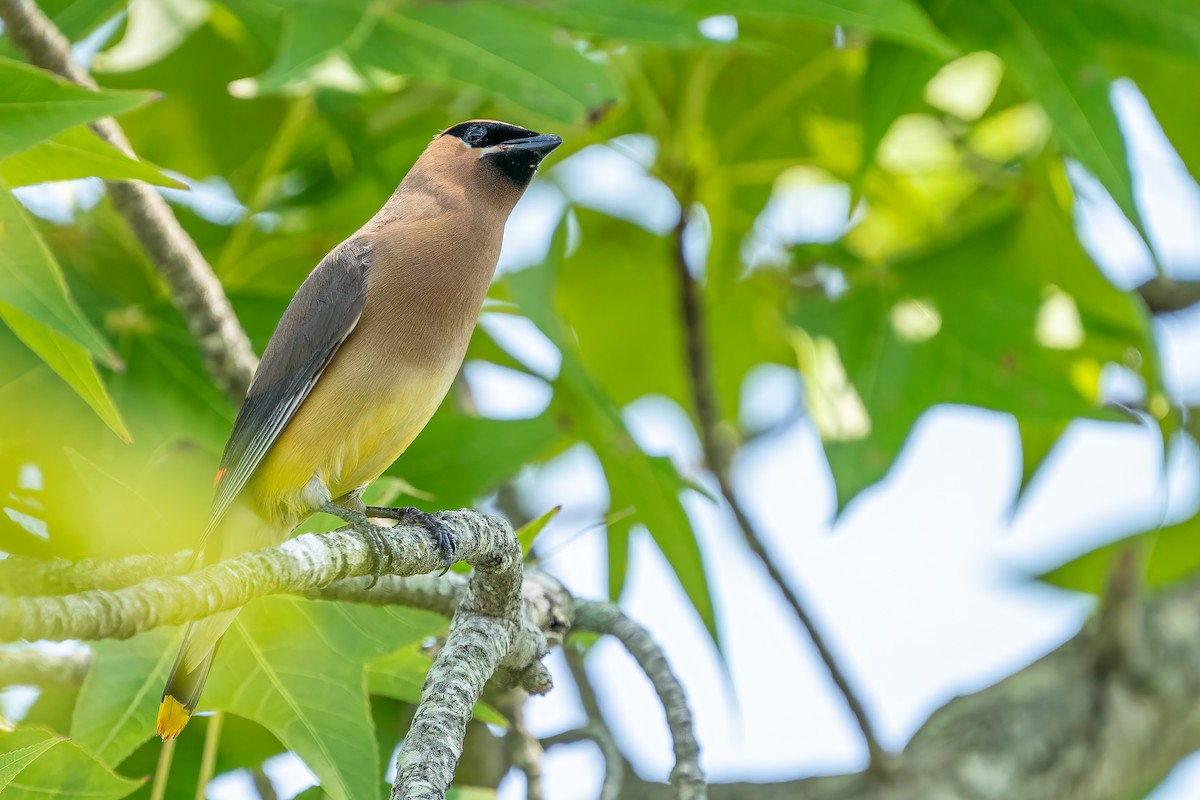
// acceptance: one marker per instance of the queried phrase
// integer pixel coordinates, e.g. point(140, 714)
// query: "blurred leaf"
point(32, 282)
point(1038, 438)
point(77, 153)
point(1014, 317)
point(1171, 26)
point(153, 29)
point(1169, 554)
point(68, 360)
point(401, 675)
point(627, 20)
point(1046, 45)
point(528, 532)
point(118, 702)
point(902, 20)
point(1165, 80)
point(504, 50)
point(35, 105)
point(892, 85)
point(61, 770)
point(297, 668)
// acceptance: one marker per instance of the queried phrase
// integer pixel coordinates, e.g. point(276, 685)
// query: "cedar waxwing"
point(361, 359)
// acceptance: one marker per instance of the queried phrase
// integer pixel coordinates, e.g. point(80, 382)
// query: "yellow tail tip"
point(172, 716)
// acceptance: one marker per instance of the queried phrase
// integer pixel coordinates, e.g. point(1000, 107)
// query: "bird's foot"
point(371, 532)
point(443, 540)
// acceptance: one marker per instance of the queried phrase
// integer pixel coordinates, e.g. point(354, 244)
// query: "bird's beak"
point(541, 144)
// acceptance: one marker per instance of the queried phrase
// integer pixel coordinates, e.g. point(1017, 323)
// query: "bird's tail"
point(241, 528)
point(186, 681)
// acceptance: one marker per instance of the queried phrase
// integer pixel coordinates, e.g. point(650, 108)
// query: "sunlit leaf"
point(1014, 317)
point(296, 667)
point(1047, 47)
point(119, 700)
point(63, 770)
point(69, 361)
point(13, 761)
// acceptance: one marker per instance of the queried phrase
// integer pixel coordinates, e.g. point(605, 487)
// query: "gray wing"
point(320, 317)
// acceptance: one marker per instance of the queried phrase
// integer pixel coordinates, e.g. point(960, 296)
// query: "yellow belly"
point(345, 436)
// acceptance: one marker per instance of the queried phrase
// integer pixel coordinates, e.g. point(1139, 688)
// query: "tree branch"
point(191, 283)
point(687, 779)
point(298, 564)
point(488, 631)
point(20, 575)
point(1060, 729)
point(503, 619)
point(615, 763)
point(719, 459)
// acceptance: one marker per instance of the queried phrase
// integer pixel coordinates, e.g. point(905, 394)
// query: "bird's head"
point(494, 155)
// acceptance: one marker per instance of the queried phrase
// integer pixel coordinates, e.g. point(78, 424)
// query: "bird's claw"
point(443, 540)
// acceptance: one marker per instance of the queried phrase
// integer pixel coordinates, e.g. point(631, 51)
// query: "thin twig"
point(1164, 295)
point(615, 763)
point(35, 668)
point(687, 777)
point(191, 283)
point(718, 457)
point(163, 770)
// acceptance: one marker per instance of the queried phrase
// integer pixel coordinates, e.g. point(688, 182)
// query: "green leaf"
point(35, 105)
point(649, 486)
point(1168, 26)
point(460, 458)
point(401, 675)
point(69, 361)
point(119, 699)
point(32, 282)
point(13, 761)
point(296, 667)
point(1048, 48)
point(901, 20)
point(528, 532)
point(510, 53)
point(1014, 318)
point(63, 770)
point(78, 153)
point(504, 51)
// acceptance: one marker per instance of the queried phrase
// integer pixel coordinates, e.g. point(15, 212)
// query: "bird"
point(360, 360)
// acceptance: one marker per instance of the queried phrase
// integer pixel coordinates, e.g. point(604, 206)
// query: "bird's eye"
point(475, 135)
